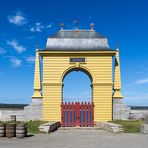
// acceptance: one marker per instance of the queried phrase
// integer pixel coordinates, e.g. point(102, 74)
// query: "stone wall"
point(123, 112)
point(34, 111)
point(120, 110)
point(5, 114)
point(31, 112)
point(137, 114)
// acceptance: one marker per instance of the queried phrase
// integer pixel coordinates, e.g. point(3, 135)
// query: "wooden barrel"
point(13, 118)
point(21, 130)
point(2, 130)
point(10, 130)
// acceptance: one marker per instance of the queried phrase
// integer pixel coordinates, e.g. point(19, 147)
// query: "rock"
point(111, 127)
point(49, 127)
point(144, 128)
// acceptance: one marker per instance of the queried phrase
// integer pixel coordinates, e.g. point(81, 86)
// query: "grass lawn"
point(129, 126)
point(33, 126)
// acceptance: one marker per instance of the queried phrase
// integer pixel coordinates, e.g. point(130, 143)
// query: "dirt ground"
point(78, 139)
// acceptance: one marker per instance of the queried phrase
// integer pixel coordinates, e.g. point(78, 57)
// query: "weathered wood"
point(54, 126)
point(2, 130)
point(77, 114)
point(21, 130)
point(11, 130)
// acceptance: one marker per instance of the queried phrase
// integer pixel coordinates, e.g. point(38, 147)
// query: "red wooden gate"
point(77, 114)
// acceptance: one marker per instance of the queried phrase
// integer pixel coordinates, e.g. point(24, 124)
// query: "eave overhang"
point(77, 53)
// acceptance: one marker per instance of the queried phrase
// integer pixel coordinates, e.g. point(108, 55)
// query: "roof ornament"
point(92, 25)
point(37, 45)
point(62, 25)
point(117, 47)
point(76, 24)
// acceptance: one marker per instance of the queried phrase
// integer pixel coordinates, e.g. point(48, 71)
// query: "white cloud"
point(14, 44)
point(38, 27)
point(138, 82)
point(2, 51)
point(16, 62)
point(18, 19)
point(142, 81)
point(30, 59)
point(50, 25)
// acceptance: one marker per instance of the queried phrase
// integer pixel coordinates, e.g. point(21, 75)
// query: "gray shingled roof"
point(77, 40)
point(12, 105)
point(77, 34)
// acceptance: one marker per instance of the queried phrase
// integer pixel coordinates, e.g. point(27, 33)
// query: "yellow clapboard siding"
point(101, 70)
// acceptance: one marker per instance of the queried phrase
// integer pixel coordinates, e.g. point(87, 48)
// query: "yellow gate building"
point(84, 50)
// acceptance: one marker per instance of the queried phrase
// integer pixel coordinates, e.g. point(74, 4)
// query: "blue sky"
point(25, 22)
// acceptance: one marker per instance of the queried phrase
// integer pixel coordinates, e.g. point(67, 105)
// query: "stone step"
point(91, 128)
point(144, 128)
point(44, 127)
point(79, 128)
point(49, 127)
point(111, 127)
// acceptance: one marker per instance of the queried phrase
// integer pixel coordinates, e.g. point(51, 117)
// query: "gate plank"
point(77, 114)
point(89, 106)
point(83, 114)
point(68, 107)
point(93, 113)
point(72, 108)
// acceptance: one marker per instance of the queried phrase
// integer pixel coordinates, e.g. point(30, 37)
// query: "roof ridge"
point(77, 34)
point(79, 30)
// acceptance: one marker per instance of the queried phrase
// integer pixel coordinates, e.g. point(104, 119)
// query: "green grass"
point(129, 126)
point(33, 126)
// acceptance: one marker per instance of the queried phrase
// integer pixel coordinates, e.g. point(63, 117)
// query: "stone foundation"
point(34, 110)
point(120, 110)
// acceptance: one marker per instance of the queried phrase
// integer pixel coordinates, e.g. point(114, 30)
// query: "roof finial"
point(76, 24)
point(92, 25)
point(62, 25)
point(37, 45)
point(117, 47)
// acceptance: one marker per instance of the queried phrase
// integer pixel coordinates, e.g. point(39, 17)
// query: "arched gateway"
point(84, 72)
point(84, 50)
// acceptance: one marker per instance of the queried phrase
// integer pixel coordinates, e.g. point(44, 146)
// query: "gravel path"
point(78, 139)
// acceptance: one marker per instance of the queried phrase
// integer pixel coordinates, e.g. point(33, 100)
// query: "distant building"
point(6, 110)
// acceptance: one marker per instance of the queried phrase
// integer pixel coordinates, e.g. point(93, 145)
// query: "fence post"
point(89, 106)
point(93, 113)
point(62, 114)
point(68, 108)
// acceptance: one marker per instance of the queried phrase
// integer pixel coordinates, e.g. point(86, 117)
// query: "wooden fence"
point(77, 114)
